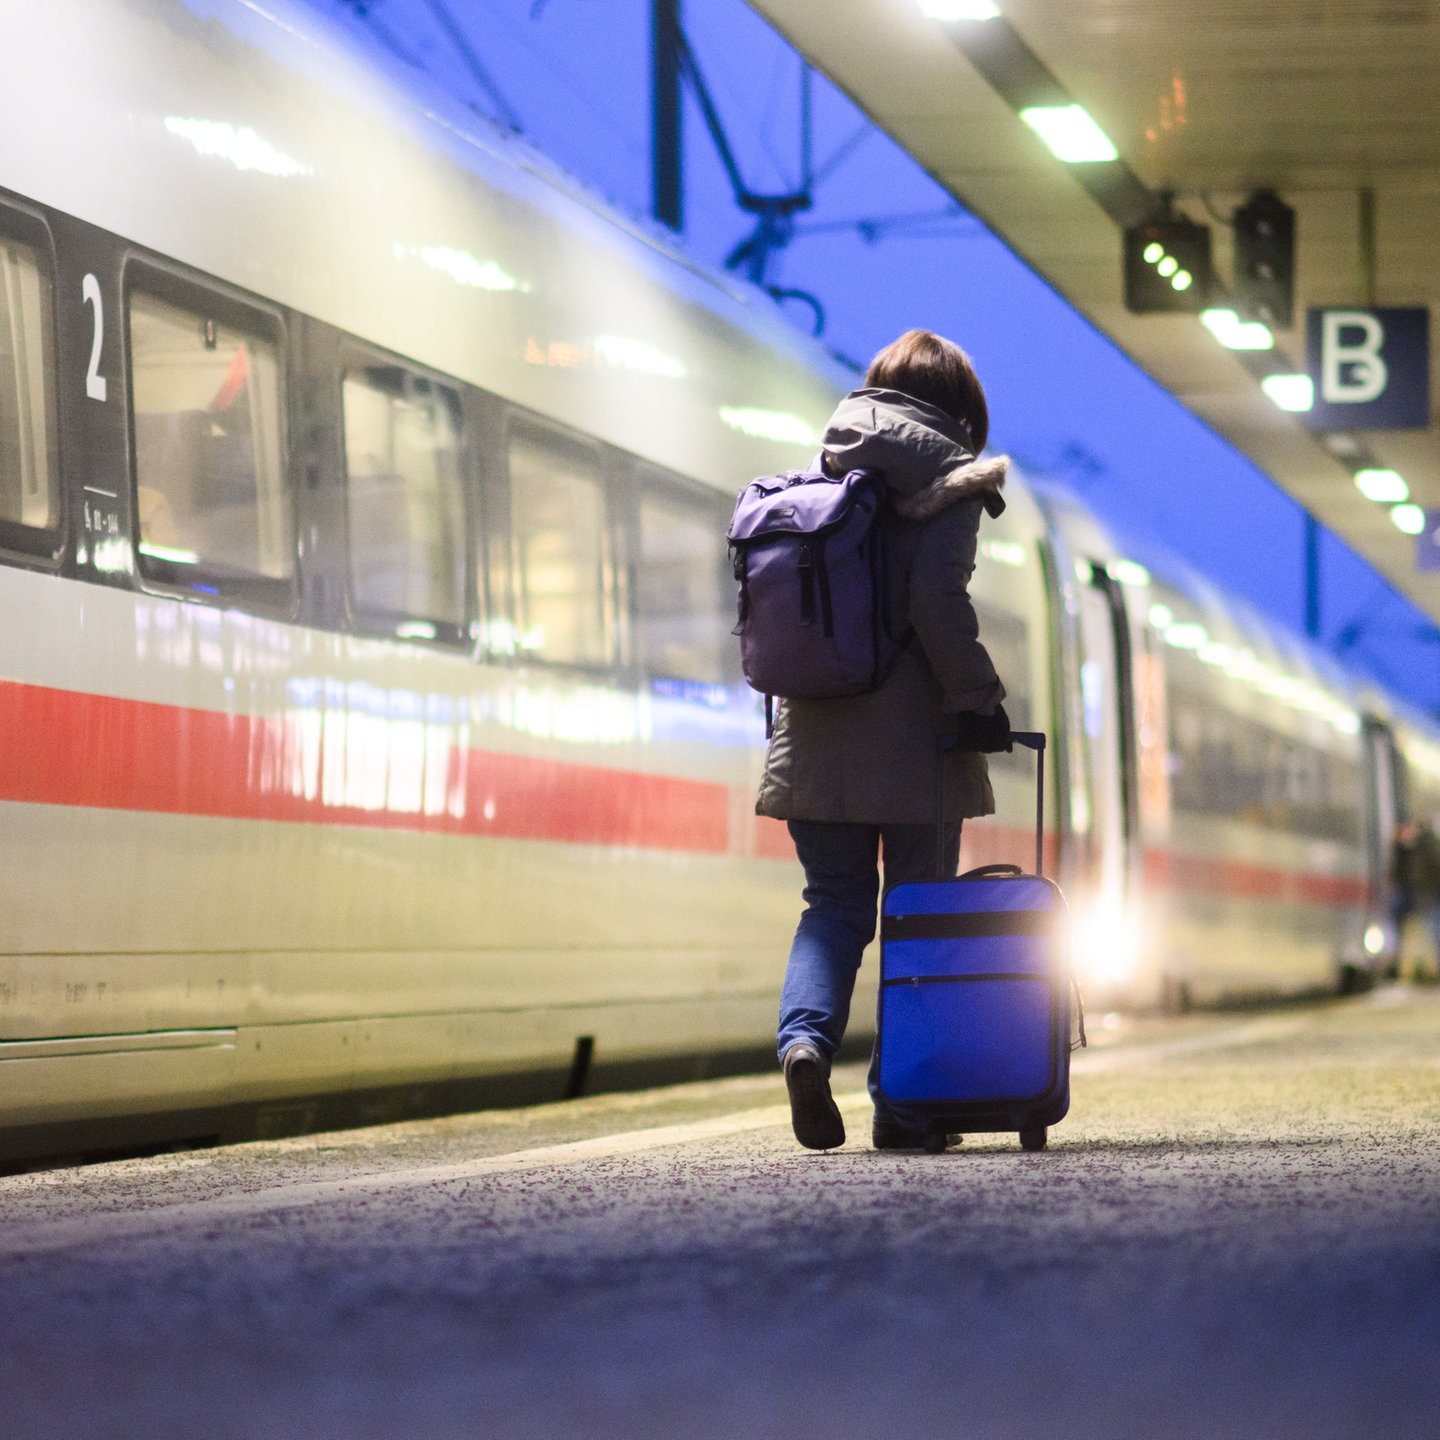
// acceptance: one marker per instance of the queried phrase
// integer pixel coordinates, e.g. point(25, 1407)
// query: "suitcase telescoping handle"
point(1031, 740)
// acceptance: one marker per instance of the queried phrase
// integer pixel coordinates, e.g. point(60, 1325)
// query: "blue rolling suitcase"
point(977, 998)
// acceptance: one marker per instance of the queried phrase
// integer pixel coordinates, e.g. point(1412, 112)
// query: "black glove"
point(984, 733)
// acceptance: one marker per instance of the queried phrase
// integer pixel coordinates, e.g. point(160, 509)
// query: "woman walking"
point(855, 778)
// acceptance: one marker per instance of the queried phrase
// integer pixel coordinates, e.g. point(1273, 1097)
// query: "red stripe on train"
point(1213, 875)
point(61, 747)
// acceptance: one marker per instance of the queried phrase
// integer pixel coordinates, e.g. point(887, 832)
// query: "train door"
point(1385, 807)
point(1105, 930)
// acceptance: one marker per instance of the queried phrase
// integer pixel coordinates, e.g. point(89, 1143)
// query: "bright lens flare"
point(1107, 941)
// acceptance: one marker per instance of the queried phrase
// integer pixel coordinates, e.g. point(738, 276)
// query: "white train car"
point(370, 721)
point(371, 737)
point(1231, 799)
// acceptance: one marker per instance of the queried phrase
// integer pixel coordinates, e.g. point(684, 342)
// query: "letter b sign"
point(1371, 369)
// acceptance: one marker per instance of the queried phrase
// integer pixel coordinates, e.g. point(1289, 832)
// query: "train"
point(372, 737)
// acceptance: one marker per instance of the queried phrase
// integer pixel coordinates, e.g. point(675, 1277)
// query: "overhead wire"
point(476, 67)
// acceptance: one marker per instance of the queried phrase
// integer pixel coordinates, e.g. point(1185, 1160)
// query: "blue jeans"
point(842, 890)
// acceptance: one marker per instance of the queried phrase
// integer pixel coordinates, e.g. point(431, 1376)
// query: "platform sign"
point(1370, 368)
point(1427, 543)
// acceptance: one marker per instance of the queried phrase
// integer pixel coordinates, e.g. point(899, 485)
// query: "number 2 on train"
point(94, 381)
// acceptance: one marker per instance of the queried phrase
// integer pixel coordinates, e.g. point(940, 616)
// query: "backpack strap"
point(815, 586)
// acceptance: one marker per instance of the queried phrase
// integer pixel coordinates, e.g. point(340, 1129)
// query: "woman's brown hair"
point(929, 367)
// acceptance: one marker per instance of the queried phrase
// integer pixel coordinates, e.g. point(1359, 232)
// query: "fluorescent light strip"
point(1385, 487)
point(1409, 518)
point(1237, 334)
point(1295, 393)
point(1070, 133)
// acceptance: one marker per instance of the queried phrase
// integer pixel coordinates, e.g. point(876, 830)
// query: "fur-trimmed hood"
point(924, 454)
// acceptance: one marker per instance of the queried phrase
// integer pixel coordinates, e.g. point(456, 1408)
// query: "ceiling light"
point(1295, 393)
point(1384, 486)
point(1070, 133)
point(960, 9)
point(1234, 333)
point(1409, 518)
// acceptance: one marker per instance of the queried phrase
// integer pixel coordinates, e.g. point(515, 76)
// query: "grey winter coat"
point(872, 758)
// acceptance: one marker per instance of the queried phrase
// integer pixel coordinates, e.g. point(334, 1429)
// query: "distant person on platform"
point(856, 777)
point(1415, 871)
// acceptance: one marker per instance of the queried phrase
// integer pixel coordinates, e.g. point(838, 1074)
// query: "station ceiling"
point(1319, 100)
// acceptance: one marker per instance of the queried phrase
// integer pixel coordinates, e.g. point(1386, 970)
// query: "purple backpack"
point(808, 553)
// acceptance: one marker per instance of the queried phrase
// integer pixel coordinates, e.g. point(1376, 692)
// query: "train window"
point(1238, 768)
point(212, 493)
point(405, 502)
point(1006, 638)
point(29, 464)
point(1009, 642)
point(684, 614)
point(563, 556)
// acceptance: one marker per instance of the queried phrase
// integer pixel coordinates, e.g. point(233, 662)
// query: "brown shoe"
point(813, 1113)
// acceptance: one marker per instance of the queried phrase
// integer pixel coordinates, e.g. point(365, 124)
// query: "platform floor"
point(1236, 1233)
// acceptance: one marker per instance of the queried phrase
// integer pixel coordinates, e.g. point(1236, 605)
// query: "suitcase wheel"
point(1033, 1137)
point(935, 1141)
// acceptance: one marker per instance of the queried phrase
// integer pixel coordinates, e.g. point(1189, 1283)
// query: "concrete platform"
point(1236, 1233)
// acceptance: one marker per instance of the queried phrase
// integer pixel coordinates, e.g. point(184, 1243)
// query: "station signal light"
point(1167, 267)
point(1265, 260)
